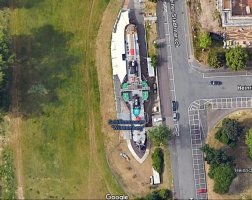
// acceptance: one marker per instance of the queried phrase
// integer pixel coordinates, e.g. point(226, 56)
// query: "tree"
point(165, 194)
point(221, 168)
point(162, 194)
point(216, 157)
point(236, 58)
point(153, 196)
point(158, 160)
point(204, 40)
point(223, 176)
point(213, 59)
point(154, 61)
point(154, 1)
point(248, 142)
point(38, 89)
point(160, 135)
point(229, 132)
point(6, 57)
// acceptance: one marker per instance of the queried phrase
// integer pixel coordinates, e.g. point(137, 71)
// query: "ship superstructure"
point(134, 90)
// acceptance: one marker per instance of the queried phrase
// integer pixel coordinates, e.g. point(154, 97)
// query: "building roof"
point(151, 70)
point(117, 45)
point(156, 176)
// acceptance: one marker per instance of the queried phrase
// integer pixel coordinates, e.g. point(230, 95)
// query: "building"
point(235, 12)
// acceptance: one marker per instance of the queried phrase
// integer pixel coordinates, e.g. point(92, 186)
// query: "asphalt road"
point(179, 81)
point(190, 85)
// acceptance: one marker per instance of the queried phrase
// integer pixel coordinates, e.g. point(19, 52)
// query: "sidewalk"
point(209, 71)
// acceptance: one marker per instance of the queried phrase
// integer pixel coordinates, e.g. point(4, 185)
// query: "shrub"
point(7, 176)
point(236, 58)
point(223, 176)
point(158, 160)
point(154, 61)
point(213, 59)
point(248, 141)
point(204, 40)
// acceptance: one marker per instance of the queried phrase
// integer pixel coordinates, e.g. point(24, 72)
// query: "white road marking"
point(242, 75)
point(165, 7)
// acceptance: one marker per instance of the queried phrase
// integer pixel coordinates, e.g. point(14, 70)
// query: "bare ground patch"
point(207, 19)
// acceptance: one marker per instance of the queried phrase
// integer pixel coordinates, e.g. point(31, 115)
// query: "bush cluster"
point(221, 168)
point(7, 176)
point(158, 160)
point(223, 176)
point(162, 194)
point(248, 142)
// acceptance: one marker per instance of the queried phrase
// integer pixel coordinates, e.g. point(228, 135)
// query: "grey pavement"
point(190, 85)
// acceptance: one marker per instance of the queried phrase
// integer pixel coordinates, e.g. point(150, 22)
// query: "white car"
point(158, 119)
point(175, 117)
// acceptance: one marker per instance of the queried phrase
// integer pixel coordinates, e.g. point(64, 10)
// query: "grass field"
point(58, 98)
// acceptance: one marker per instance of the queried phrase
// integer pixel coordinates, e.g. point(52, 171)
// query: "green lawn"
point(61, 138)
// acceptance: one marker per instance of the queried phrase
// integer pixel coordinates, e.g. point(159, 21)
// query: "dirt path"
point(91, 128)
point(15, 140)
point(15, 120)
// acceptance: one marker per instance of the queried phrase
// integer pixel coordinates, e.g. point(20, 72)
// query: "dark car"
point(154, 88)
point(215, 82)
point(136, 102)
point(216, 36)
point(133, 67)
point(174, 106)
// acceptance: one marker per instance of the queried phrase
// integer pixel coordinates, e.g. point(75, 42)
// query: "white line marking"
point(225, 76)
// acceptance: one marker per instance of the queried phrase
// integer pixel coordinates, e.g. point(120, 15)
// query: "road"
point(190, 85)
point(179, 81)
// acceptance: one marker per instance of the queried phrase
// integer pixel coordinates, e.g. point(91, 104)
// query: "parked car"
point(215, 82)
point(174, 106)
point(201, 190)
point(175, 117)
point(136, 102)
point(155, 109)
point(158, 119)
point(216, 37)
point(154, 88)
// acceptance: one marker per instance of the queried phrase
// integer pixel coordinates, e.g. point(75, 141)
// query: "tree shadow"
point(20, 3)
point(45, 63)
